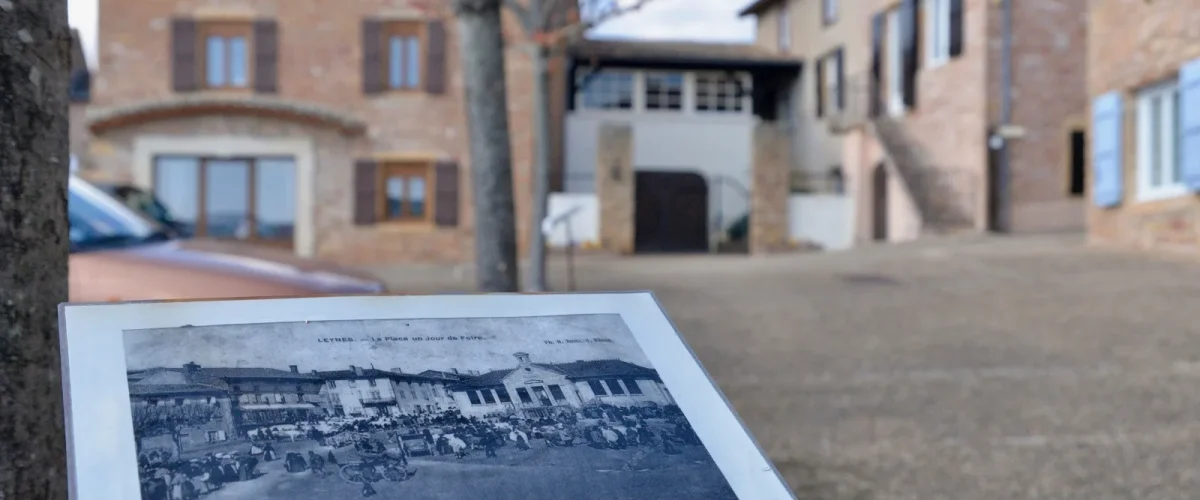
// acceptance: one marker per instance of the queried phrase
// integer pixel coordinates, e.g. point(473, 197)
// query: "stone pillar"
point(614, 187)
point(769, 189)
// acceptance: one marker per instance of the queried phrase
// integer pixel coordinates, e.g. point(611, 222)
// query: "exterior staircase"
point(944, 198)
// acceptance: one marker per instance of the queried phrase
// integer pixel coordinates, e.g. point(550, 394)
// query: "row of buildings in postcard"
point(844, 121)
point(219, 403)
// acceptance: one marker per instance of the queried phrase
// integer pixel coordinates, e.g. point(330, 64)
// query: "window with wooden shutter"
point(840, 77)
point(373, 74)
point(909, 47)
point(266, 56)
point(876, 83)
point(366, 182)
point(226, 58)
point(403, 47)
point(435, 57)
point(1107, 136)
point(820, 86)
point(404, 192)
point(446, 196)
point(955, 34)
point(404, 56)
point(183, 55)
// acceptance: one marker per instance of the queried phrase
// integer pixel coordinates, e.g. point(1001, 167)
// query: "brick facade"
point(319, 64)
point(1134, 44)
point(958, 102)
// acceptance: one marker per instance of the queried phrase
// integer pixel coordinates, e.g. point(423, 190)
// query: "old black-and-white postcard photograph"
point(546, 407)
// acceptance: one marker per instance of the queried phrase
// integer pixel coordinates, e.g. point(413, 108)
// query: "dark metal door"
point(879, 202)
point(671, 212)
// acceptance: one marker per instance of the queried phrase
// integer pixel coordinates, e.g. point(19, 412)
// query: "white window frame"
point(1159, 153)
point(712, 82)
point(829, 11)
point(937, 32)
point(784, 27)
point(581, 103)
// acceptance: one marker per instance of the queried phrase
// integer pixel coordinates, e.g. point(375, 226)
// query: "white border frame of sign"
point(103, 466)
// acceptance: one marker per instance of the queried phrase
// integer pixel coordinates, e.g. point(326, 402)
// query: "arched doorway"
point(879, 202)
point(671, 212)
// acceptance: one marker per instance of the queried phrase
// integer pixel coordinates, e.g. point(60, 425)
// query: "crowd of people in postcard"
point(394, 448)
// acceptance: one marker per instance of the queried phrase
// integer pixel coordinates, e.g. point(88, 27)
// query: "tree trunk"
point(482, 51)
point(34, 160)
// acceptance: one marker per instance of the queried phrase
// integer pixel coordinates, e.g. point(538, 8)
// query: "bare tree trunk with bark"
point(482, 51)
point(34, 160)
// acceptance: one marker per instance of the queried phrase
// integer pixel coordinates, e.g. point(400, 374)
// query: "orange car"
point(117, 254)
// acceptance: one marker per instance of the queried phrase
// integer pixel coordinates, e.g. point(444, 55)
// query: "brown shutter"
point(266, 56)
point(366, 192)
point(820, 77)
point(445, 196)
point(435, 57)
point(876, 84)
point(372, 57)
point(840, 55)
point(956, 28)
point(908, 45)
point(184, 70)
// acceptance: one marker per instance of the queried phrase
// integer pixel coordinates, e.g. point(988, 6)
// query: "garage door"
point(671, 212)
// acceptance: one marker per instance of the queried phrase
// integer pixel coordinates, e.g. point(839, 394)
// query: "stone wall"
point(769, 189)
point(614, 187)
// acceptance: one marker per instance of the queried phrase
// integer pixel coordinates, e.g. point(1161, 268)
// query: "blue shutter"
point(1189, 124)
point(1106, 150)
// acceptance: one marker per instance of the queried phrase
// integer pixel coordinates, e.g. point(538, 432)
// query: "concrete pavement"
point(966, 369)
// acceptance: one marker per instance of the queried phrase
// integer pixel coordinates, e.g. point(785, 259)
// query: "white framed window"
point(1158, 164)
point(829, 11)
point(785, 27)
point(937, 32)
point(718, 93)
point(606, 90)
point(664, 91)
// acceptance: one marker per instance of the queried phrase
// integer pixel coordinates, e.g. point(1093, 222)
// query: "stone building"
point(534, 390)
point(912, 93)
point(370, 392)
point(1144, 85)
point(341, 133)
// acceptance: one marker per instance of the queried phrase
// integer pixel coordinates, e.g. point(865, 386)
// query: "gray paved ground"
point(1027, 368)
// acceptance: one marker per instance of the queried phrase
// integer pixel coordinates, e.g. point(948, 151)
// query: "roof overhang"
point(757, 7)
point(101, 120)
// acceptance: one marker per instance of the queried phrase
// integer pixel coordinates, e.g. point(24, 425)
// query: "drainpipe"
point(1003, 167)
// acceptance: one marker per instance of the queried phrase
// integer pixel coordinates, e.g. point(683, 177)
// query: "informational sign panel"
point(503, 397)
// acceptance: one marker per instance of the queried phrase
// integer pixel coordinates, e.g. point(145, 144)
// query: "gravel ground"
point(968, 369)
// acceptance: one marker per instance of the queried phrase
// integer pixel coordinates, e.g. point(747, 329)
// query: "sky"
point(694, 20)
point(416, 345)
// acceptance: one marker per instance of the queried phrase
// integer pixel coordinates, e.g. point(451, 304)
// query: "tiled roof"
point(172, 389)
point(604, 368)
point(657, 50)
point(372, 373)
point(255, 373)
point(441, 375)
point(577, 369)
point(488, 379)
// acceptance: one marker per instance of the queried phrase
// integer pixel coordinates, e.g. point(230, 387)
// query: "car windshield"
point(100, 222)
